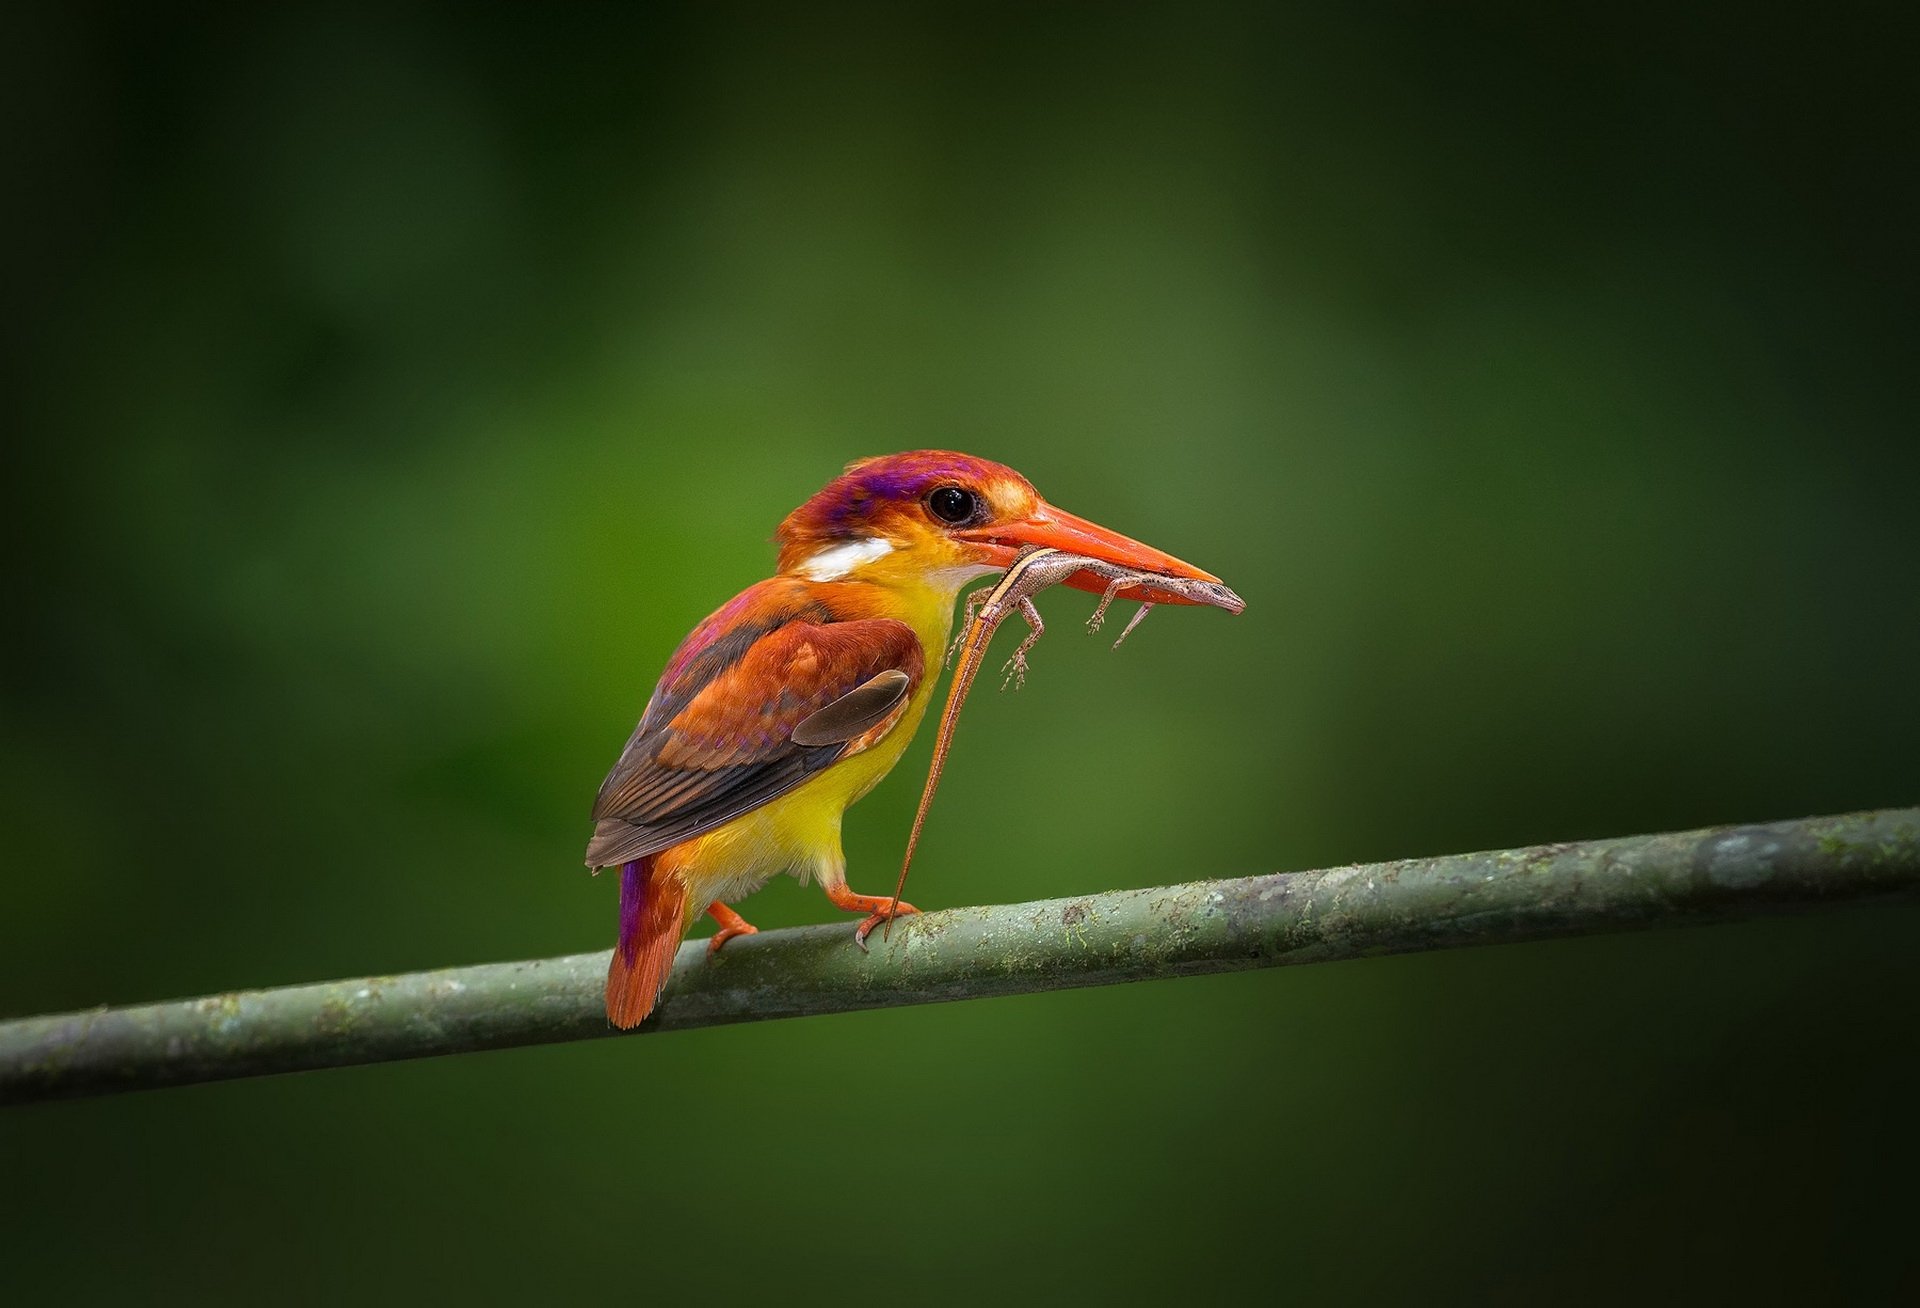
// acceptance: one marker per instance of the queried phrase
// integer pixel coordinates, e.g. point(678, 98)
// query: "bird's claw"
point(730, 924)
point(724, 934)
point(865, 929)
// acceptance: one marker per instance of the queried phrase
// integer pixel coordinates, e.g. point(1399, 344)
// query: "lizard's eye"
point(953, 504)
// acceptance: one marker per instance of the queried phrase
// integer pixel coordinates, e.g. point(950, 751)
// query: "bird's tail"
point(653, 917)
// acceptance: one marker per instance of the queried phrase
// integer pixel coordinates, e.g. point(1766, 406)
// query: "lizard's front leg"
point(1121, 580)
point(1133, 622)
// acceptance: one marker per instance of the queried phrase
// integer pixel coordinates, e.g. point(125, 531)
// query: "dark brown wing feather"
point(718, 740)
point(863, 707)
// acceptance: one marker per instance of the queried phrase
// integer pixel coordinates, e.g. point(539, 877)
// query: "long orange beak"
point(1057, 529)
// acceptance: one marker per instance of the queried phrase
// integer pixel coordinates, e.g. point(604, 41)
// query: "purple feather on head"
point(846, 506)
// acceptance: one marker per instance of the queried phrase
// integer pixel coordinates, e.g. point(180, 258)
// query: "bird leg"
point(878, 908)
point(731, 925)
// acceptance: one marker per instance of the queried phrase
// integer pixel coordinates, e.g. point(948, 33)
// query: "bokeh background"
point(393, 388)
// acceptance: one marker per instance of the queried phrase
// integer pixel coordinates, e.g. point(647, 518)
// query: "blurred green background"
point(393, 388)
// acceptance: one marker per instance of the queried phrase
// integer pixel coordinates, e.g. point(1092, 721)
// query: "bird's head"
point(936, 517)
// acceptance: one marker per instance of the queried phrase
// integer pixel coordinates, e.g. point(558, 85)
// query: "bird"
point(796, 697)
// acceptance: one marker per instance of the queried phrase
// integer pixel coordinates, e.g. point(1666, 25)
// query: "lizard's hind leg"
point(1016, 667)
point(972, 610)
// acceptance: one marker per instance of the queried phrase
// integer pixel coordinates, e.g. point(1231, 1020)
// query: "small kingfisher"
point(799, 694)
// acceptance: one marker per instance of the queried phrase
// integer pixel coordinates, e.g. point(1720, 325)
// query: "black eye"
point(952, 503)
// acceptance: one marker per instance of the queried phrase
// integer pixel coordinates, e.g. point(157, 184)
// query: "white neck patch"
point(836, 561)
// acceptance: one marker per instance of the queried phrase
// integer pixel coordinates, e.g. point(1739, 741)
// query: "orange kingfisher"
point(799, 694)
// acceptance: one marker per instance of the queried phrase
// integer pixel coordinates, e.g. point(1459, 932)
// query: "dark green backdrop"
point(392, 390)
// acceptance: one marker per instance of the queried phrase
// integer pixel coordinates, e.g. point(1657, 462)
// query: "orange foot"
point(874, 906)
point(731, 925)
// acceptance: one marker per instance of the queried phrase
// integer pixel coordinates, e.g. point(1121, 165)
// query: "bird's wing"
point(737, 723)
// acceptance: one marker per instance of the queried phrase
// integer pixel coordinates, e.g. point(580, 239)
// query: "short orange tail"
point(653, 917)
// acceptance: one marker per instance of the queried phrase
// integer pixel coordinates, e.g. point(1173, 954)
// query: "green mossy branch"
point(968, 953)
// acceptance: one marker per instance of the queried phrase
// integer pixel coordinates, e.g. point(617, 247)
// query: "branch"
point(1126, 935)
